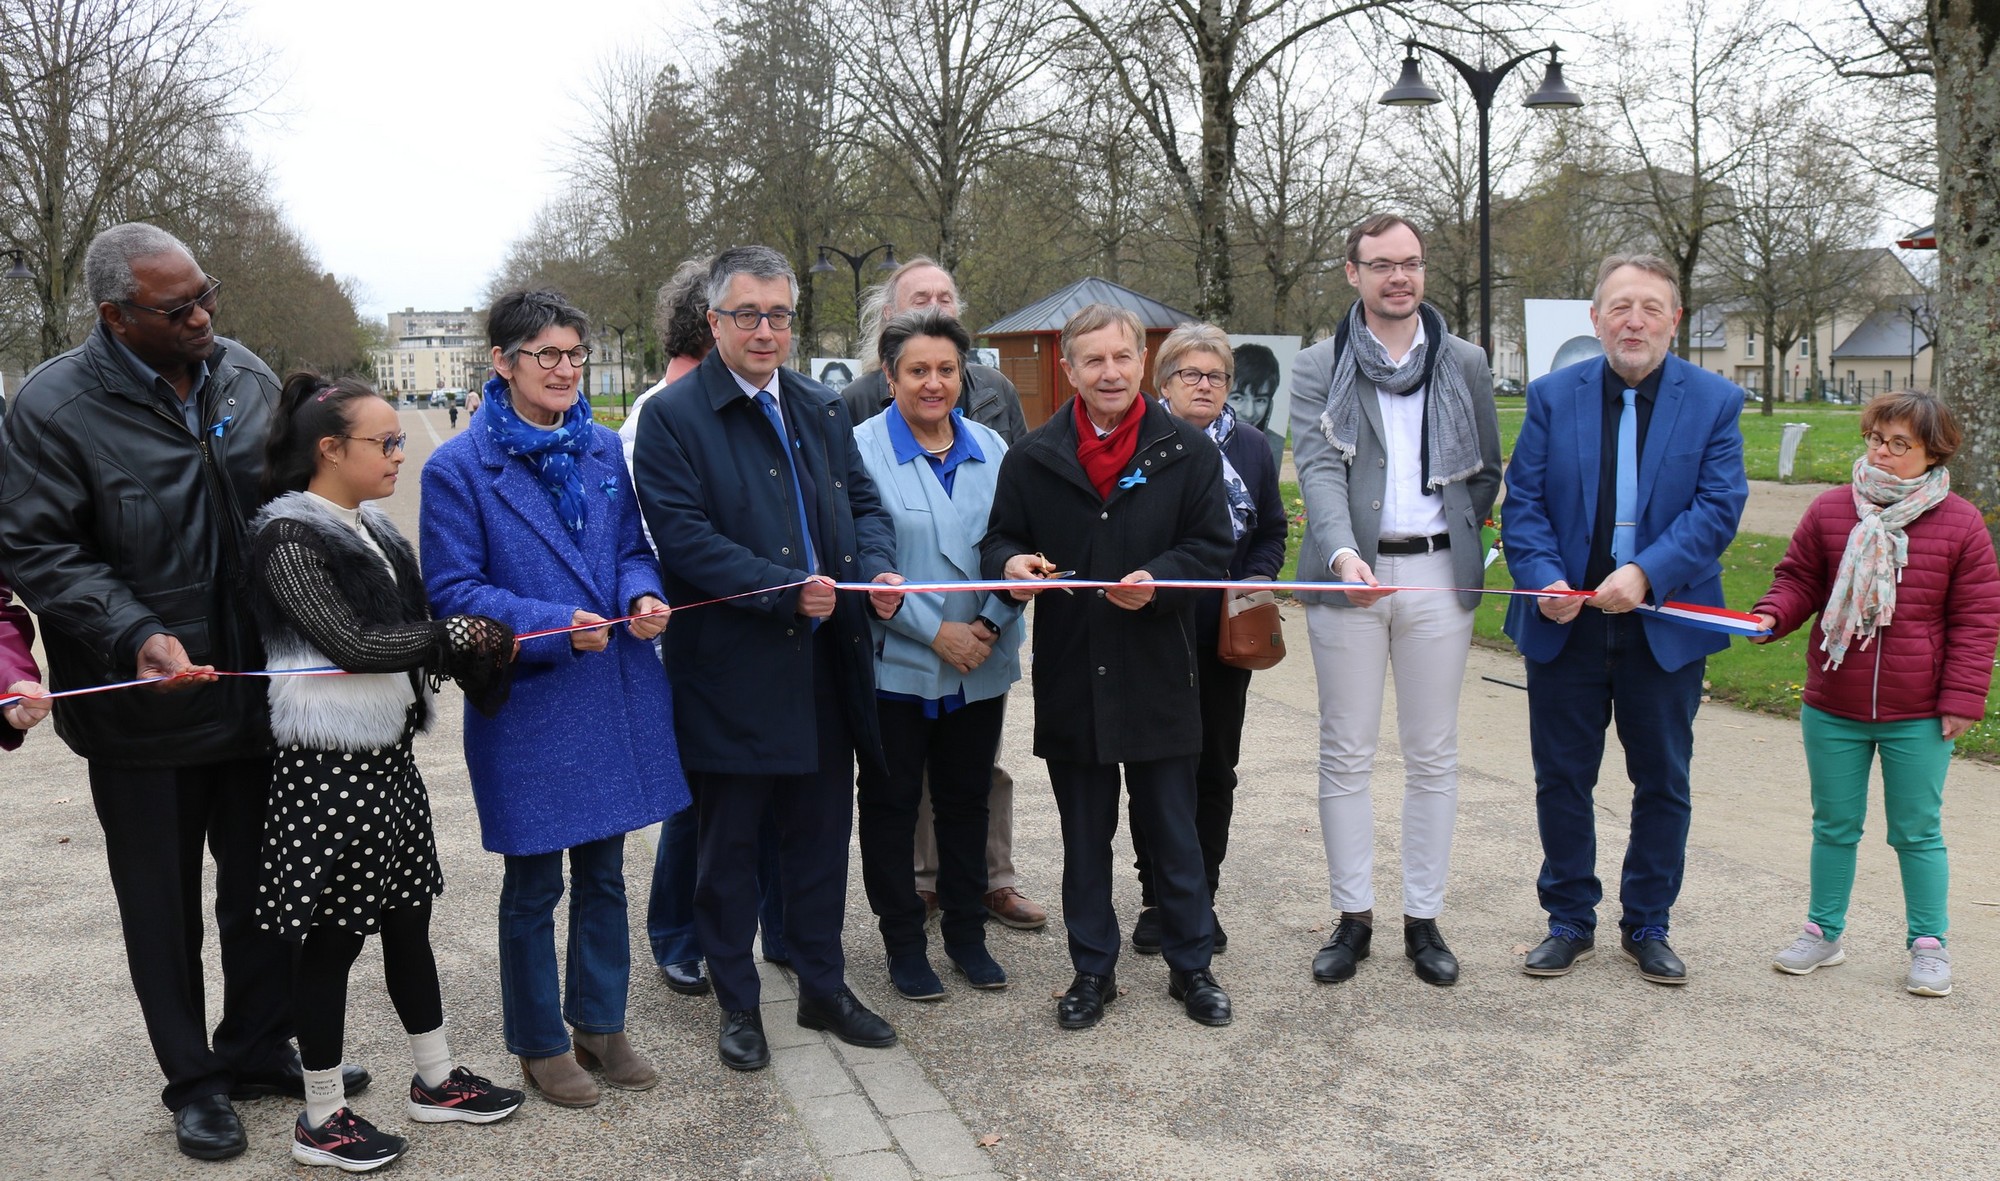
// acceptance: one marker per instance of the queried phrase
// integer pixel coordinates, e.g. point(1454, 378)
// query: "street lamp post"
point(825, 267)
point(1412, 91)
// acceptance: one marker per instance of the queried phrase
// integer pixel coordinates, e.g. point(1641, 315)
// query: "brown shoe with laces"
point(1009, 906)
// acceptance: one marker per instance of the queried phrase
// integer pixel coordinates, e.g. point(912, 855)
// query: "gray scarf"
point(1450, 442)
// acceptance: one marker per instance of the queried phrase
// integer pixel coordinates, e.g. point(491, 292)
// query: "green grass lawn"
point(1826, 455)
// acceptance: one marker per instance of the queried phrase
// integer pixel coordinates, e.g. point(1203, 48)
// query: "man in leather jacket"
point(129, 468)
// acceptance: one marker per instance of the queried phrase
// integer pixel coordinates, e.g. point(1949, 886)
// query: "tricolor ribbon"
point(1696, 615)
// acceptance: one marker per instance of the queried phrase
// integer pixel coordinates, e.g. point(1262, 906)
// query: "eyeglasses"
point(1201, 377)
point(178, 315)
point(1381, 266)
point(747, 318)
point(550, 356)
point(1896, 446)
point(390, 444)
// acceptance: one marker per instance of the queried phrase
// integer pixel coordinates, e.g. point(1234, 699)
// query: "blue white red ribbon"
point(1696, 615)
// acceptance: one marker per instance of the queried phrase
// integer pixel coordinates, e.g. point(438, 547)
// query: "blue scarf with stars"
point(553, 454)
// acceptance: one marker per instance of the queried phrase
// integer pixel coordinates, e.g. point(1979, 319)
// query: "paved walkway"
point(1742, 1073)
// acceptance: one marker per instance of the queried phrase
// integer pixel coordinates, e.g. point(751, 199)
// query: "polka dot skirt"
point(348, 835)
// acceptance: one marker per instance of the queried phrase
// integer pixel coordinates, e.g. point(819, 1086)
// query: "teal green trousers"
point(1915, 757)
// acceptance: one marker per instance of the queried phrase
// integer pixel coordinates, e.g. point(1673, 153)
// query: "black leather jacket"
point(116, 524)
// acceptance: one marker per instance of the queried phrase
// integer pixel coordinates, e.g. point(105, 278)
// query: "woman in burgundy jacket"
point(17, 671)
point(1901, 575)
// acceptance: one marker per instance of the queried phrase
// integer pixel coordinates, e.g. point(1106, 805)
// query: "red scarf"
point(1106, 459)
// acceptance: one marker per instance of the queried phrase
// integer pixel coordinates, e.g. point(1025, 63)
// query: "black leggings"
point(319, 983)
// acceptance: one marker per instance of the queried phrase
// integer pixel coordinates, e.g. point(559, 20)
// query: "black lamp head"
point(1411, 90)
point(1553, 93)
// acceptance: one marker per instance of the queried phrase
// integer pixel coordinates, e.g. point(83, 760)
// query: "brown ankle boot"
point(613, 1054)
point(560, 1080)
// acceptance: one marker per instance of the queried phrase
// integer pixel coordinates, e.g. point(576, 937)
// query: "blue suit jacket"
point(937, 540)
point(1691, 494)
point(579, 751)
point(715, 489)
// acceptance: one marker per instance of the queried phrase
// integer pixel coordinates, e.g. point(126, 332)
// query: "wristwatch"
point(986, 623)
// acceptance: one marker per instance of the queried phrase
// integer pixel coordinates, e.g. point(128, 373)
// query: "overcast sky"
point(411, 140)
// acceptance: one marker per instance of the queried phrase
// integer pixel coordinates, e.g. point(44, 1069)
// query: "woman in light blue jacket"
point(942, 664)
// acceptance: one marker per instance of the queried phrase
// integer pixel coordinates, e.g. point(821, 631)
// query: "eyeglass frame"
point(734, 316)
point(390, 444)
point(179, 315)
point(1382, 268)
point(1214, 378)
point(1878, 439)
point(548, 356)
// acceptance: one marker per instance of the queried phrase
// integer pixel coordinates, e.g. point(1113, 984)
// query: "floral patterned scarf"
point(1864, 590)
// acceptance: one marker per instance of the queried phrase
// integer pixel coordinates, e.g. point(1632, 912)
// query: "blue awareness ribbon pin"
point(217, 428)
point(1133, 480)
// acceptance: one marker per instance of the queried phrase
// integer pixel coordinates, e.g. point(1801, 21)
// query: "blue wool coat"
point(584, 747)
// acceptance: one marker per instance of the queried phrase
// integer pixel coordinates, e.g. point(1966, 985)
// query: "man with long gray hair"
point(750, 479)
point(129, 470)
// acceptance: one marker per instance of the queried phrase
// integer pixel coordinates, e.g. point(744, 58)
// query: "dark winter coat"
point(1936, 657)
point(714, 488)
point(117, 525)
point(1111, 685)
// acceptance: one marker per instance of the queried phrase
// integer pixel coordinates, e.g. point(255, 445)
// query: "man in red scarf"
point(1119, 490)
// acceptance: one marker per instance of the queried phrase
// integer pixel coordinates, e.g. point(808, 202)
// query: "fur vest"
point(360, 711)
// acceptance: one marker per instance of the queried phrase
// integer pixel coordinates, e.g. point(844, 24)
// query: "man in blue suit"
point(750, 481)
point(1627, 478)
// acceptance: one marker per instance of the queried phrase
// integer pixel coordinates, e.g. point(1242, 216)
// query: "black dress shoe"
point(1426, 949)
point(1338, 957)
point(685, 978)
point(742, 1045)
point(847, 1019)
point(290, 1079)
point(1200, 995)
point(207, 1129)
point(1647, 946)
point(1083, 1005)
point(1146, 932)
point(1560, 952)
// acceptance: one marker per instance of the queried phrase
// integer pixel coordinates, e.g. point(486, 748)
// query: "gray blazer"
point(1344, 502)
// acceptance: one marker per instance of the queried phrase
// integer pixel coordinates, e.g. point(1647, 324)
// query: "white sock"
point(433, 1056)
point(325, 1094)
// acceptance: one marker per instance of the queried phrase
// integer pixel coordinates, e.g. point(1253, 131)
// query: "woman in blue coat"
point(943, 663)
point(529, 518)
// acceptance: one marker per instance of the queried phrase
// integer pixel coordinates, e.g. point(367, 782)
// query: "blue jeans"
point(1606, 671)
point(670, 911)
point(600, 956)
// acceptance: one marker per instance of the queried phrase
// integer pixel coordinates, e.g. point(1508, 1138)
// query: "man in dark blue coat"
point(749, 479)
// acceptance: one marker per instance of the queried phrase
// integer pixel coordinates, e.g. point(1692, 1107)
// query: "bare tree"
point(940, 97)
point(94, 96)
point(1302, 180)
point(1186, 65)
point(1803, 220)
point(1688, 121)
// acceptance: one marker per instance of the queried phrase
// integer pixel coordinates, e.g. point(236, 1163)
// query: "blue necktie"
point(1625, 517)
point(770, 408)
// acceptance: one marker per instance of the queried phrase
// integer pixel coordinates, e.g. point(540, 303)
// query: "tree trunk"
point(1771, 355)
point(1218, 159)
point(1967, 356)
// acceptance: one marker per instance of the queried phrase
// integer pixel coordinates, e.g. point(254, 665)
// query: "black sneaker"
point(464, 1097)
point(345, 1141)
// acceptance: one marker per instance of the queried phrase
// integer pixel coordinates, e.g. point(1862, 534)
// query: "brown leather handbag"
point(1251, 636)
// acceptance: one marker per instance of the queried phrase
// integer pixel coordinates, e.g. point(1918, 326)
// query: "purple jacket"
point(17, 662)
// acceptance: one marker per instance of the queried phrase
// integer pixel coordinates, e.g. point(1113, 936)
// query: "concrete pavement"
point(1742, 1073)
